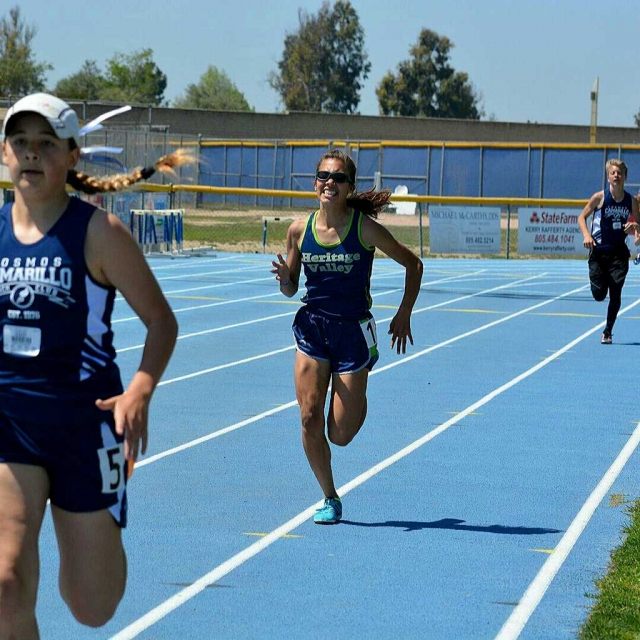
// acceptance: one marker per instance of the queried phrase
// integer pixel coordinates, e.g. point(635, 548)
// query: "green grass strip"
point(616, 612)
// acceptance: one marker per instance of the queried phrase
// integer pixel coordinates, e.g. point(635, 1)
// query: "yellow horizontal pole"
point(522, 202)
point(492, 202)
point(192, 188)
point(275, 193)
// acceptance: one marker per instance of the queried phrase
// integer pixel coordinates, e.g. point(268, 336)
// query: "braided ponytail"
point(92, 184)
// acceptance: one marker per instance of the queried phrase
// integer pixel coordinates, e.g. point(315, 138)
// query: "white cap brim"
point(62, 118)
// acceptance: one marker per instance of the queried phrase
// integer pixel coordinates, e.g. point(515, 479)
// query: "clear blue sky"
point(531, 60)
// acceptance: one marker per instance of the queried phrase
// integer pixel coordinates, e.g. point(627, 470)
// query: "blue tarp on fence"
point(453, 169)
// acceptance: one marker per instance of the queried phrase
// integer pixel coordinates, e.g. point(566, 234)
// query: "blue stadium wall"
point(508, 170)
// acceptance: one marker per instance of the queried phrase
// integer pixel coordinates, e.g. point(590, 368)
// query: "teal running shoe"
point(330, 512)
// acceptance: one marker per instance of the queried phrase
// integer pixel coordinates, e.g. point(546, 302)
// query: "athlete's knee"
point(599, 294)
point(91, 617)
point(341, 437)
point(17, 600)
point(344, 427)
point(93, 610)
point(312, 419)
point(93, 601)
point(342, 432)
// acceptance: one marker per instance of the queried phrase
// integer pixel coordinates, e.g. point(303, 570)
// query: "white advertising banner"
point(464, 229)
point(549, 231)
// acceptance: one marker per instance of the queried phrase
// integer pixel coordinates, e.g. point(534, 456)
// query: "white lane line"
point(219, 285)
point(291, 313)
point(215, 434)
point(172, 603)
point(277, 293)
point(536, 590)
point(227, 365)
point(508, 285)
point(289, 348)
point(207, 331)
point(119, 297)
point(184, 276)
point(216, 285)
point(219, 303)
point(533, 595)
point(288, 405)
point(186, 264)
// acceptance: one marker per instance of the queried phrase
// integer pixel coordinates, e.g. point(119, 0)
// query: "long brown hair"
point(369, 202)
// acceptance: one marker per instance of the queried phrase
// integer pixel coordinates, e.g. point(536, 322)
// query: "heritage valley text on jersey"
point(342, 262)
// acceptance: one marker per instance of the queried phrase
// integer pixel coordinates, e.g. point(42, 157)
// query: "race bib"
point(21, 341)
point(112, 468)
point(368, 326)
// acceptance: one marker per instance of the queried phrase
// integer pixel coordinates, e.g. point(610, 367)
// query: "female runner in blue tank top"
point(334, 330)
point(68, 432)
point(615, 214)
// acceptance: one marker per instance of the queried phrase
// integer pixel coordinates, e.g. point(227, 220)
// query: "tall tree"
point(324, 63)
point(427, 85)
point(214, 91)
point(134, 78)
point(86, 84)
point(19, 72)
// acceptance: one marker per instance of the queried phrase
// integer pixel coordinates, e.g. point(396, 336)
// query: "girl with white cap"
point(69, 432)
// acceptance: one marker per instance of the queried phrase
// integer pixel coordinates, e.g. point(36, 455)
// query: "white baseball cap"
point(62, 118)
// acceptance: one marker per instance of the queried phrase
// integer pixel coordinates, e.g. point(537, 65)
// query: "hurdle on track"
point(158, 231)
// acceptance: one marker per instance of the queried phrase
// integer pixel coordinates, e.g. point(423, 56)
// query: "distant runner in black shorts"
point(615, 213)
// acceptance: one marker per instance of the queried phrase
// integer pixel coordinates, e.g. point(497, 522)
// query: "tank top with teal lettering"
point(338, 276)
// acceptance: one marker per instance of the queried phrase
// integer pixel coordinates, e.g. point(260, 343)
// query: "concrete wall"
point(299, 126)
point(237, 125)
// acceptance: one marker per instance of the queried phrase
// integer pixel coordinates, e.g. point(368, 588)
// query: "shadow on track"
point(456, 525)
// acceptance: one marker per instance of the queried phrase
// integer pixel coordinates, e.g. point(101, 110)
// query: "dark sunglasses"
point(340, 178)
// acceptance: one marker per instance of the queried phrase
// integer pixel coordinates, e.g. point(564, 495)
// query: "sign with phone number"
point(464, 229)
point(549, 231)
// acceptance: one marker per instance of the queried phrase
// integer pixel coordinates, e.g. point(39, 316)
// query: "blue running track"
point(482, 497)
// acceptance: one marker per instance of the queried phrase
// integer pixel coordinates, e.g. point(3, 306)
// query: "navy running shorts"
point(348, 345)
point(83, 458)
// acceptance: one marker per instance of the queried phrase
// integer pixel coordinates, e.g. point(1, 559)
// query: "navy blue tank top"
point(338, 276)
point(56, 341)
point(607, 228)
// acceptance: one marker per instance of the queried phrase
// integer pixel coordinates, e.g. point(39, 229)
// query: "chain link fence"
point(241, 195)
